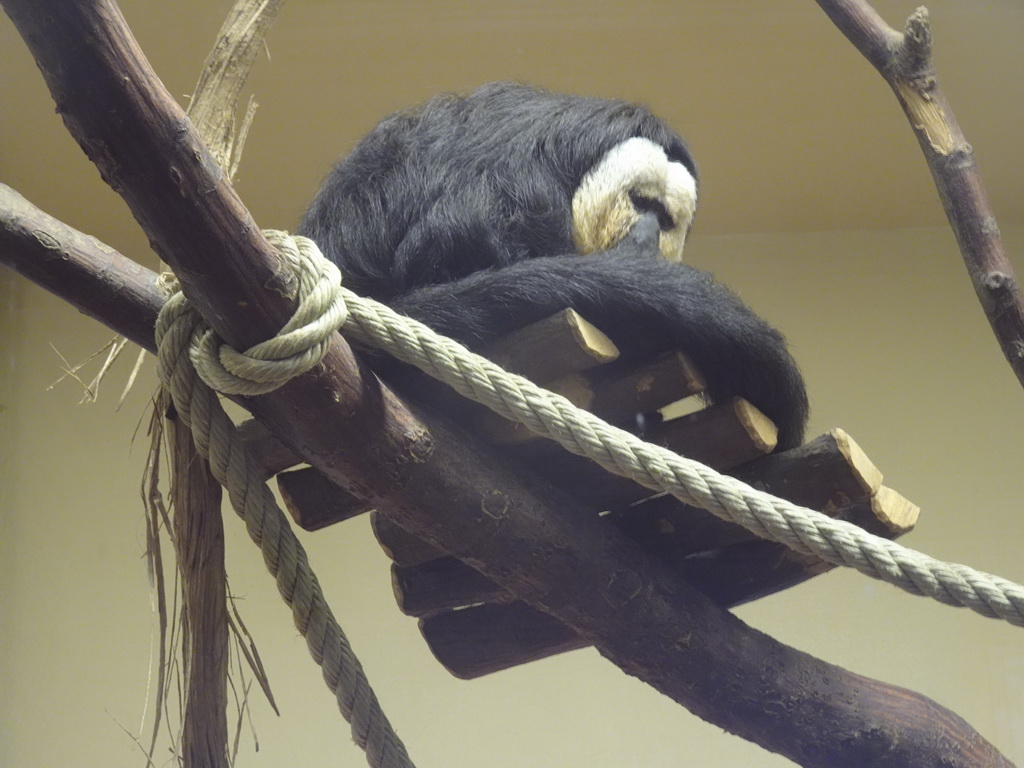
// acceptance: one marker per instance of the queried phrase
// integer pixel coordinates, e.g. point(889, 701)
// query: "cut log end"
point(761, 431)
point(556, 346)
point(896, 514)
point(869, 475)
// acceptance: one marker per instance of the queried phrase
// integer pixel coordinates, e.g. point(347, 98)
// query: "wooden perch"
point(830, 474)
point(495, 633)
point(556, 346)
point(441, 484)
point(551, 348)
point(763, 568)
point(616, 394)
point(827, 473)
point(904, 59)
point(722, 436)
point(725, 561)
point(474, 626)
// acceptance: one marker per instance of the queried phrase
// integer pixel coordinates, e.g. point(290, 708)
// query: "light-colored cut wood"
point(867, 473)
point(556, 346)
point(761, 430)
point(894, 511)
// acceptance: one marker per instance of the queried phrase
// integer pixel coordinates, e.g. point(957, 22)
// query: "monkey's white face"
point(634, 177)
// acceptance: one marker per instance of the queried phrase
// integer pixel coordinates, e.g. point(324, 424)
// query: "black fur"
point(458, 214)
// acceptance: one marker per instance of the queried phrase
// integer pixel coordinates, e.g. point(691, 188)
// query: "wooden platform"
point(474, 627)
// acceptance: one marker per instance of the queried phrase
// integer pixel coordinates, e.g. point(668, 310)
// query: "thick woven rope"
point(804, 530)
point(181, 336)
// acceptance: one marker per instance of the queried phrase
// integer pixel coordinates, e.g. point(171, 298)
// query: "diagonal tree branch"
point(93, 277)
point(214, 103)
point(904, 59)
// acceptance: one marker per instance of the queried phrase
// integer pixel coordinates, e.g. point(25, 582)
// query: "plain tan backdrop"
point(816, 207)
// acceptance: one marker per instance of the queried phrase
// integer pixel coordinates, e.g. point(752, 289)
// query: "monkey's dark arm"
point(645, 305)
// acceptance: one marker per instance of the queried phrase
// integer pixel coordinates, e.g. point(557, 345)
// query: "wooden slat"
point(496, 635)
point(551, 348)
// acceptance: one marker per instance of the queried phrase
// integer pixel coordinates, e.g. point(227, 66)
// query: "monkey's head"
point(464, 183)
point(634, 179)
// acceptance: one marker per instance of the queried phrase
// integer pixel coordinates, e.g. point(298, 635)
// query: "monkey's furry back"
point(459, 214)
point(461, 184)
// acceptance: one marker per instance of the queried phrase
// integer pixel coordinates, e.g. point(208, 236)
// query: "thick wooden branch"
point(828, 473)
point(92, 277)
point(725, 561)
point(722, 436)
point(905, 61)
point(730, 571)
point(440, 484)
point(199, 546)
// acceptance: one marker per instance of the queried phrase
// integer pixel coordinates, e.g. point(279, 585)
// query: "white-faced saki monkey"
point(479, 214)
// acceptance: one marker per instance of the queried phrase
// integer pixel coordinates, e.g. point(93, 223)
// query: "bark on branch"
point(440, 484)
point(904, 59)
point(92, 277)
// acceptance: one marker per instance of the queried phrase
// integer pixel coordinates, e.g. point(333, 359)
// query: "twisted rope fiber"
point(551, 415)
point(182, 337)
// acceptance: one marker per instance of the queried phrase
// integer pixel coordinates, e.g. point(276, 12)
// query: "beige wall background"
point(817, 208)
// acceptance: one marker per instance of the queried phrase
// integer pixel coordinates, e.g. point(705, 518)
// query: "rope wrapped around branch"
point(182, 337)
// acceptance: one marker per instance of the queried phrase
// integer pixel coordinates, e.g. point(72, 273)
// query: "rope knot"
point(300, 344)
